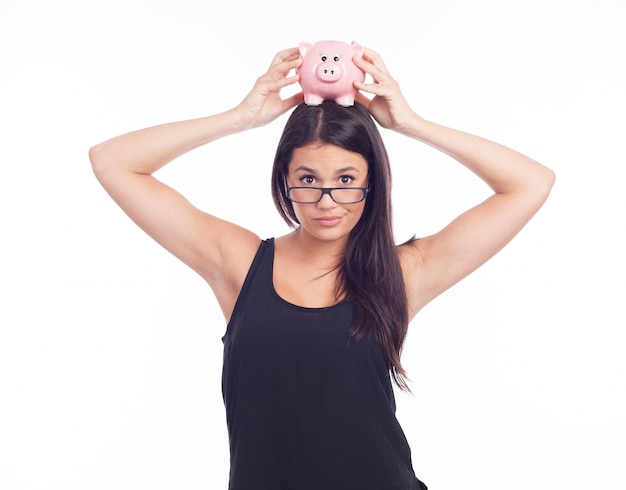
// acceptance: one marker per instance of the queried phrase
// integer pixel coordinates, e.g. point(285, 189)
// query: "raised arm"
point(520, 185)
point(219, 251)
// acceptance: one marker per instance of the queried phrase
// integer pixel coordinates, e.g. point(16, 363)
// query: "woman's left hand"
point(388, 107)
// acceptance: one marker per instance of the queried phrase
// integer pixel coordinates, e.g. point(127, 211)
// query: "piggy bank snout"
point(329, 72)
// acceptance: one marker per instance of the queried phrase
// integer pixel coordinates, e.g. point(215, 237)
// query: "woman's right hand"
point(263, 104)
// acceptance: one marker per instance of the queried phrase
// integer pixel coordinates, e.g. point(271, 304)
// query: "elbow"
point(98, 158)
point(548, 181)
point(537, 188)
point(541, 186)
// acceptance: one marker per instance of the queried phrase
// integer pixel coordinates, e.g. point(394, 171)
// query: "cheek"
point(359, 213)
point(356, 212)
point(297, 211)
point(361, 209)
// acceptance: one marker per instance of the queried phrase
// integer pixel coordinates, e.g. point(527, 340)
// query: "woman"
point(317, 318)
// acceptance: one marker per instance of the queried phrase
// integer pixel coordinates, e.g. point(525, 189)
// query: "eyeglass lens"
point(341, 196)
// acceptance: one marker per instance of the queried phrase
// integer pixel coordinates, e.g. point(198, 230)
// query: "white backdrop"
point(110, 350)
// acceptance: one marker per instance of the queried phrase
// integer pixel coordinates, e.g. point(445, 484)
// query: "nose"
point(326, 202)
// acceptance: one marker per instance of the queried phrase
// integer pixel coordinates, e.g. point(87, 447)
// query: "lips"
point(328, 220)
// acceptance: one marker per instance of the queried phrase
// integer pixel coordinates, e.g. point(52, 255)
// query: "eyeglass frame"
point(328, 190)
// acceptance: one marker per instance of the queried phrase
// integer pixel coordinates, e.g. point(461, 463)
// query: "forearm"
point(503, 169)
point(147, 150)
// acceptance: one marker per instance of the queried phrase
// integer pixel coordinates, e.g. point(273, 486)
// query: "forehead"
point(326, 159)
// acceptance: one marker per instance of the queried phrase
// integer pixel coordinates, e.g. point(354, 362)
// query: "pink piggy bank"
point(328, 72)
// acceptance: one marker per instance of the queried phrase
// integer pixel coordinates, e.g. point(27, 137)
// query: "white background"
point(110, 350)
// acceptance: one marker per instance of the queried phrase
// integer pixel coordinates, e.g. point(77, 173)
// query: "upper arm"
point(219, 251)
point(435, 263)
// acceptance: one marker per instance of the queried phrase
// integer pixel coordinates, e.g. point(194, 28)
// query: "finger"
point(284, 82)
point(374, 58)
point(268, 85)
point(373, 88)
point(293, 101)
point(285, 55)
point(361, 99)
point(282, 69)
point(380, 75)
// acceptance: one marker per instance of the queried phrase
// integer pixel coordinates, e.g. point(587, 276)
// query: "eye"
point(346, 179)
point(324, 57)
point(336, 58)
point(307, 179)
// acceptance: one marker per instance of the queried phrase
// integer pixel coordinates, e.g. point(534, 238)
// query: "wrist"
point(413, 126)
point(237, 120)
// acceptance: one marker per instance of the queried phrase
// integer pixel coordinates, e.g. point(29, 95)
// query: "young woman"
point(317, 318)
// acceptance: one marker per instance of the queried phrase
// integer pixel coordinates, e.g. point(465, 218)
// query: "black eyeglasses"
point(341, 195)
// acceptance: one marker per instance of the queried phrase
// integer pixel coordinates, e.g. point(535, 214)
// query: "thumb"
point(361, 99)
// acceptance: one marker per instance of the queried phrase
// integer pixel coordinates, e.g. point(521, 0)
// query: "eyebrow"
point(304, 168)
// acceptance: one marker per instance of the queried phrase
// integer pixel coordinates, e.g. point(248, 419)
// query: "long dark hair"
point(369, 273)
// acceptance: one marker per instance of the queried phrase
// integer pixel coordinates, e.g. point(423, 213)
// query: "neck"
point(317, 251)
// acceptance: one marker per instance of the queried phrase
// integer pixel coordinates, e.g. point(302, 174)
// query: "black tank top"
point(306, 408)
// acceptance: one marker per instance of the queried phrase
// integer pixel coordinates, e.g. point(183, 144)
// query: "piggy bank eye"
point(324, 57)
point(336, 58)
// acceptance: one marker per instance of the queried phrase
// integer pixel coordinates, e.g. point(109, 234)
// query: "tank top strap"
point(260, 271)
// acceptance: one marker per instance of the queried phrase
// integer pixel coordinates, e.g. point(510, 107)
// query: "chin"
point(324, 234)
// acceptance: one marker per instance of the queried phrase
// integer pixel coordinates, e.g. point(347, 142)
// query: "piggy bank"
point(328, 72)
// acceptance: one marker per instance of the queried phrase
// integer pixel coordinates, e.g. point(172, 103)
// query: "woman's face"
point(327, 166)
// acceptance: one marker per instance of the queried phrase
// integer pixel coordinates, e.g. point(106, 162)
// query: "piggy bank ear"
point(305, 48)
point(356, 49)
